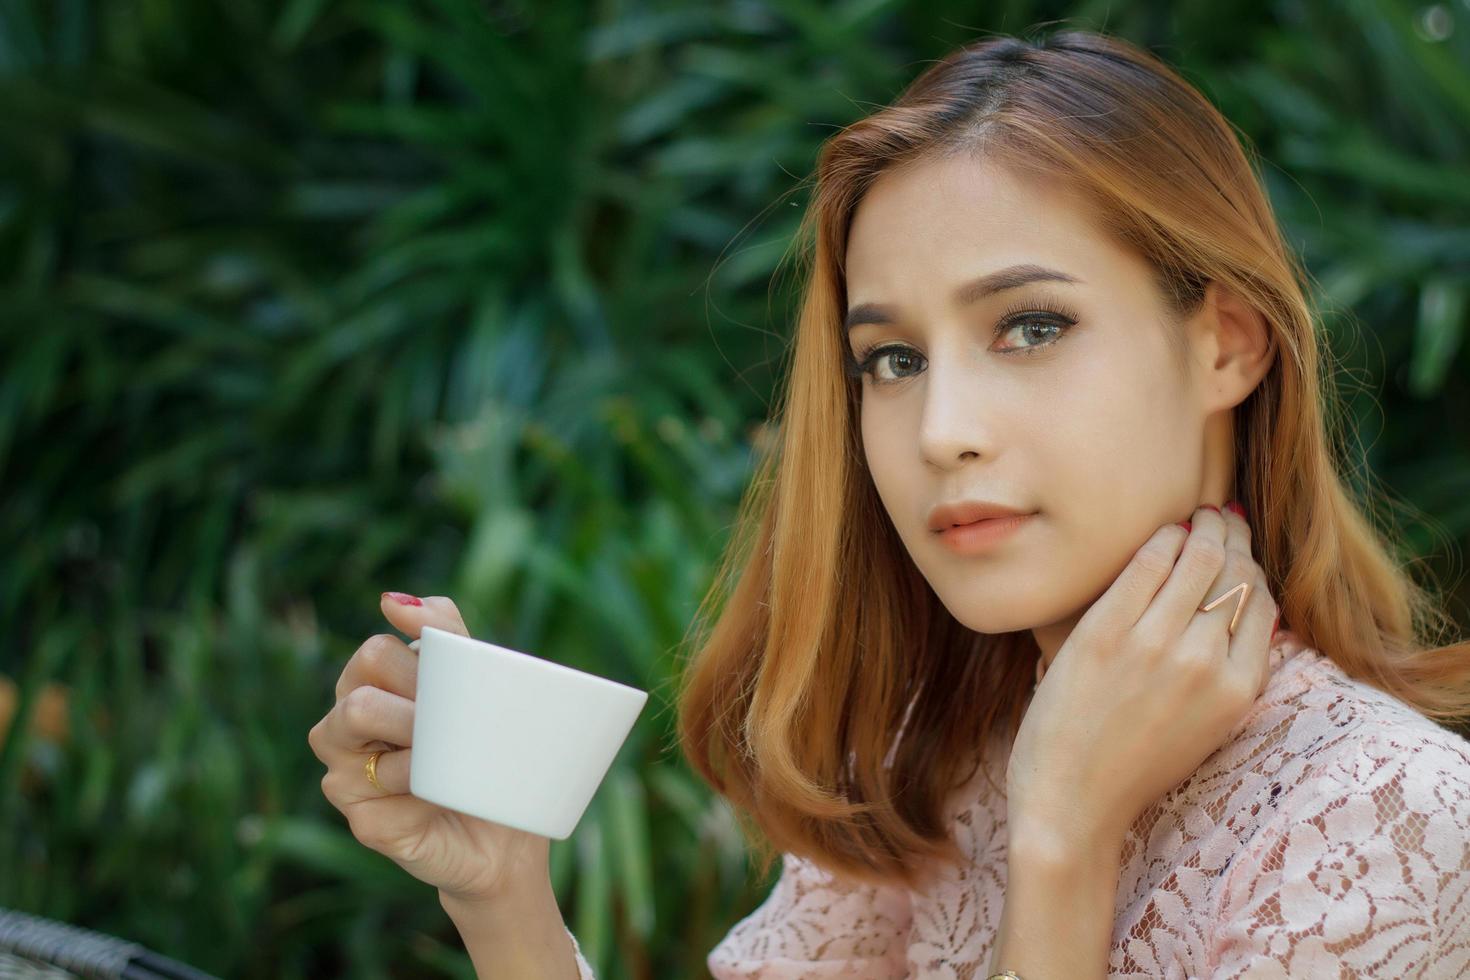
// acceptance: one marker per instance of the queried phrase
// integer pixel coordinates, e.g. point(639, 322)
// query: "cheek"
point(881, 447)
point(1116, 453)
point(1123, 456)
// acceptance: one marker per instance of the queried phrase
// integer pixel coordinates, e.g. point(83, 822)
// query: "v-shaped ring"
point(1245, 590)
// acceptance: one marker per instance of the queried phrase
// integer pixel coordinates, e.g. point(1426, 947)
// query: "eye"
point(1043, 319)
point(1027, 316)
point(866, 360)
point(1026, 327)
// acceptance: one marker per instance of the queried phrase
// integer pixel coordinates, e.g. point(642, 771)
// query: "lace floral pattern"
point(1329, 836)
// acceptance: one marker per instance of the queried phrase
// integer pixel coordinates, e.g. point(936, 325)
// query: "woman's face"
point(1061, 399)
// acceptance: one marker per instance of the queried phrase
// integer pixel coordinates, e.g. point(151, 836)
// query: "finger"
point(1119, 608)
point(366, 716)
point(1236, 590)
point(1248, 663)
point(434, 610)
point(1240, 567)
point(1250, 646)
point(1237, 533)
point(392, 771)
point(383, 661)
point(347, 783)
point(1199, 565)
point(389, 824)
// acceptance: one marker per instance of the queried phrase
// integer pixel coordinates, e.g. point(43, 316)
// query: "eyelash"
point(1019, 313)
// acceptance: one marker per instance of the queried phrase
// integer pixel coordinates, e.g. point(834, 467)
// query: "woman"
point(1047, 291)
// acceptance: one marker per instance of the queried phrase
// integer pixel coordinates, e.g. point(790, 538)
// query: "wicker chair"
point(33, 948)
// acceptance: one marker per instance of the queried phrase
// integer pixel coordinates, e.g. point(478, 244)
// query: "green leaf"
point(628, 835)
point(335, 852)
point(1439, 331)
point(592, 918)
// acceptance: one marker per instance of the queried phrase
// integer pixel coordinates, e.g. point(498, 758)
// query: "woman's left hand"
point(1145, 688)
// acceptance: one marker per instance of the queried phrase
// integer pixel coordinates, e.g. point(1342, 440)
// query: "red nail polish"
point(1210, 507)
point(405, 598)
point(1185, 524)
point(1274, 623)
point(1235, 506)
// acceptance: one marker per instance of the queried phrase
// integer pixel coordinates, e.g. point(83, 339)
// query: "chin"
point(993, 620)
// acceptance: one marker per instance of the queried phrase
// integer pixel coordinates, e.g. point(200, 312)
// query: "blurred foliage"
point(311, 299)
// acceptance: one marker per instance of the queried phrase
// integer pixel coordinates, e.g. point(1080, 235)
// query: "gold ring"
point(372, 768)
point(1245, 590)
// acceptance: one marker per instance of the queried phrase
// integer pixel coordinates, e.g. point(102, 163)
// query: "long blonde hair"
point(827, 638)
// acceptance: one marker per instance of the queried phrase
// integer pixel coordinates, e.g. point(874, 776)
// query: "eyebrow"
point(970, 292)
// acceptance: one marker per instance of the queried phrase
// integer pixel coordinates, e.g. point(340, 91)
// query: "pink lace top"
point(1329, 836)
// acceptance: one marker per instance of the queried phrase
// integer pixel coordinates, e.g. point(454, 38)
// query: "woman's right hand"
point(466, 858)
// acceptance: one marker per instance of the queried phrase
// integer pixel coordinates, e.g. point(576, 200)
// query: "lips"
point(964, 512)
point(979, 537)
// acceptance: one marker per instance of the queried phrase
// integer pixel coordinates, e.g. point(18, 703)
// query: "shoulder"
point(1321, 746)
point(1354, 759)
point(1315, 714)
point(1356, 860)
point(1384, 740)
point(1408, 767)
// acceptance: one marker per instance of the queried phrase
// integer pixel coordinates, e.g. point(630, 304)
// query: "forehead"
point(941, 221)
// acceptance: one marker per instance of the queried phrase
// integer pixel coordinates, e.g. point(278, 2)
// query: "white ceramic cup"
point(510, 737)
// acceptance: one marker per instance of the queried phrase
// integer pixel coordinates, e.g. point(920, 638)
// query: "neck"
point(1049, 638)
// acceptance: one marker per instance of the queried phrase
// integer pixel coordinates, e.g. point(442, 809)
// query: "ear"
point(1242, 342)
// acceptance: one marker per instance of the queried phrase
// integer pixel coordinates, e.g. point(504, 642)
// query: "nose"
point(955, 424)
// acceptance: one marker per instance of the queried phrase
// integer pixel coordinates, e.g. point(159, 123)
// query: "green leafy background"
point(306, 300)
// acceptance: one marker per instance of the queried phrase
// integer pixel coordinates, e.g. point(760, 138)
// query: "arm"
point(1060, 893)
point(522, 936)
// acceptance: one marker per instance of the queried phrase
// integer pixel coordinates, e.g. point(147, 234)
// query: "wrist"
point(521, 875)
point(1063, 842)
point(518, 932)
point(1061, 881)
point(524, 891)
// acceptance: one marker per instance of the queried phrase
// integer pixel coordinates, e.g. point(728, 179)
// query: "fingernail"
point(1274, 623)
point(1235, 506)
point(1184, 524)
point(1210, 507)
point(405, 598)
